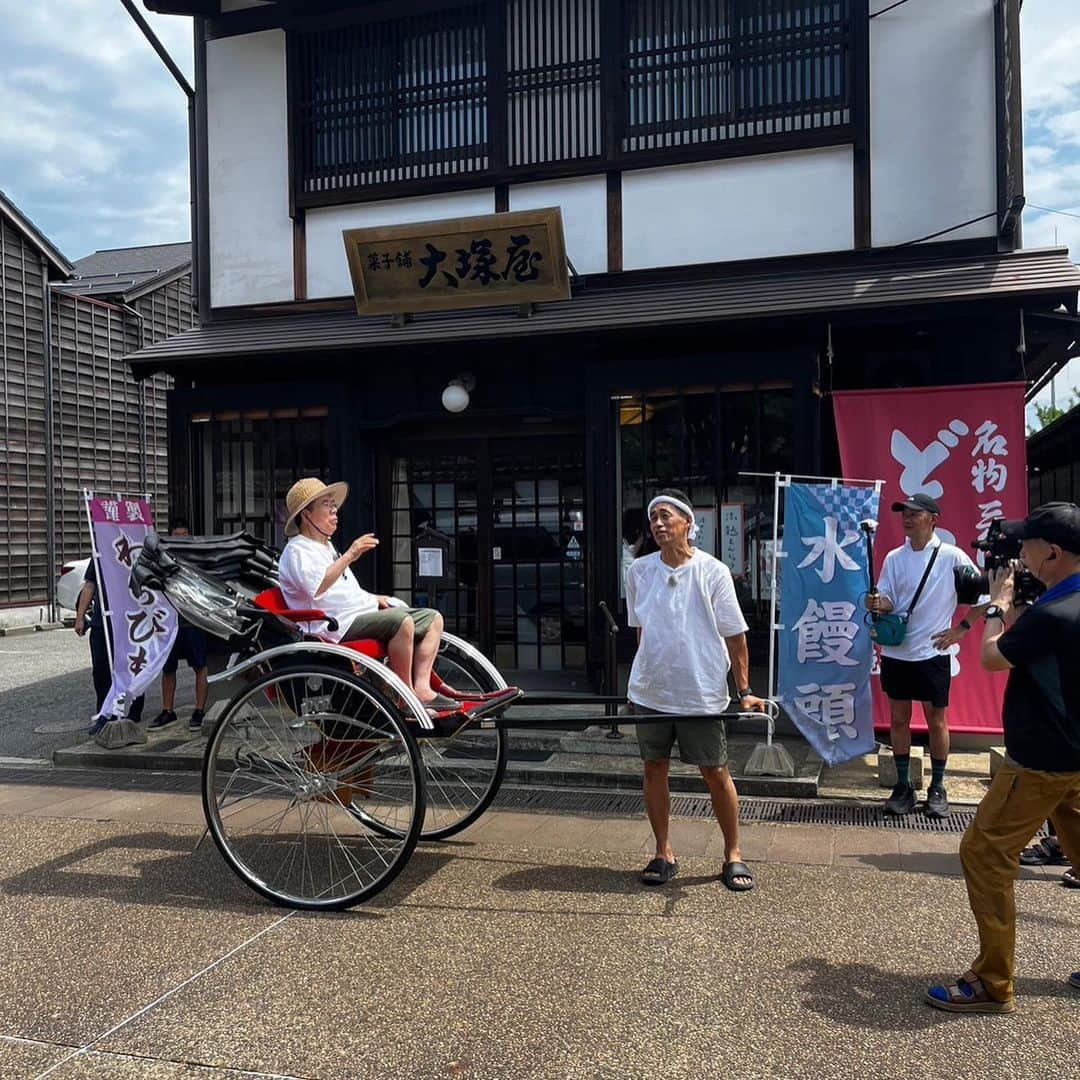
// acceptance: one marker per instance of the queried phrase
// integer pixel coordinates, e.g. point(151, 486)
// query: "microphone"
point(326, 535)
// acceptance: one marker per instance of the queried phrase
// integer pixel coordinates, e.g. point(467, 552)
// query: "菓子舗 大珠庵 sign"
point(511, 258)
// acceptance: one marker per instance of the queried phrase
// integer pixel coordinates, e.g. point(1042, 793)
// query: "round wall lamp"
point(455, 397)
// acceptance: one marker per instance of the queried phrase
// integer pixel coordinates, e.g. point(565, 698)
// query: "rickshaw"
point(322, 768)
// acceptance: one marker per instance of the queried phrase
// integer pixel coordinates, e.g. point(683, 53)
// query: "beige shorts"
point(383, 625)
point(701, 742)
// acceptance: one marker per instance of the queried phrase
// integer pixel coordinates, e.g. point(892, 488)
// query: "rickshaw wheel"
point(462, 772)
point(291, 752)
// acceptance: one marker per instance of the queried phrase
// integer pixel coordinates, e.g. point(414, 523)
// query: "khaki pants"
point(1018, 802)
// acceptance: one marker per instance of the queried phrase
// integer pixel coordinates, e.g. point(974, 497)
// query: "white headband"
point(679, 505)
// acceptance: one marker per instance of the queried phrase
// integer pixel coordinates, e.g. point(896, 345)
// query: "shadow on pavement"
point(147, 868)
point(597, 880)
point(865, 996)
point(941, 863)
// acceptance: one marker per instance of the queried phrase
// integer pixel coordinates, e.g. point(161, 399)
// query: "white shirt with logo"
point(301, 570)
point(900, 576)
point(684, 612)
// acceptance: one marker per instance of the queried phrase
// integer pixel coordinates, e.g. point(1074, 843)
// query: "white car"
point(70, 583)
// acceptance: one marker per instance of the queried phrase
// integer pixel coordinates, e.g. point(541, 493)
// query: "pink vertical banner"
point(965, 447)
point(143, 625)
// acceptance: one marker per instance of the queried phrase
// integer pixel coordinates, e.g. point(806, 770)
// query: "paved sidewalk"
point(525, 948)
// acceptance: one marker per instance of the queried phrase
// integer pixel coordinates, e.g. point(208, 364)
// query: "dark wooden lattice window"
point(705, 71)
point(384, 102)
point(553, 81)
point(498, 90)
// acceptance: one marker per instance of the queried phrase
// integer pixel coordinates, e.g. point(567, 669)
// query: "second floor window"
point(386, 102)
point(503, 89)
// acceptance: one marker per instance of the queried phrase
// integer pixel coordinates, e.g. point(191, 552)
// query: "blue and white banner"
point(825, 648)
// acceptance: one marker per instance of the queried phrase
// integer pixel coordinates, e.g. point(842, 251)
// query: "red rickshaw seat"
point(273, 600)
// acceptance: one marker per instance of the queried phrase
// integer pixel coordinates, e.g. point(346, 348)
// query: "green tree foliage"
point(1047, 414)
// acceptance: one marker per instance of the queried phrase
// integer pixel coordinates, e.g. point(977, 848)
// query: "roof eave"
point(35, 236)
point(167, 277)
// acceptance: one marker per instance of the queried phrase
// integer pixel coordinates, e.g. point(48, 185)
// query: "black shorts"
point(917, 680)
point(190, 645)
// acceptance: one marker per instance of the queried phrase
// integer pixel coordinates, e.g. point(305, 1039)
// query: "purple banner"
point(144, 625)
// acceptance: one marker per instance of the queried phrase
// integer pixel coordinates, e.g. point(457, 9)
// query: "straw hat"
point(304, 492)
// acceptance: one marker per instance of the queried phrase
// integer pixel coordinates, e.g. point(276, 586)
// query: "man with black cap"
point(1040, 778)
point(917, 582)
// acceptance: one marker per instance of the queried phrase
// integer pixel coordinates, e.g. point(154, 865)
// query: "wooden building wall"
point(23, 523)
point(109, 431)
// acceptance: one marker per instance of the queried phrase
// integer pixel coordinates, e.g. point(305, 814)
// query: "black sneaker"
point(97, 725)
point(163, 719)
point(195, 723)
point(937, 802)
point(901, 801)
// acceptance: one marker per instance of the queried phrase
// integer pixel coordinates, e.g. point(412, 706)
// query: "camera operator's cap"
point(921, 501)
point(304, 492)
point(1054, 522)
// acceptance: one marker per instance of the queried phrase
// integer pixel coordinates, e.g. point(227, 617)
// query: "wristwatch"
point(995, 612)
point(747, 692)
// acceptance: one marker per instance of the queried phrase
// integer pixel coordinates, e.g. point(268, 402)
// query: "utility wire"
point(951, 228)
point(1051, 210)
point(875, 14)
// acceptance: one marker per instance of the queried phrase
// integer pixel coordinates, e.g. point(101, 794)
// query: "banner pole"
point(832, 480)
point(772, 597)
point(106, 614)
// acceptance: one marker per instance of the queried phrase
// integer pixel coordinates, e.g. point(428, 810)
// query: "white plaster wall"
point(932, 120)
point(247, 141)
point(584, 210)
point(327, 267)
point(743, 208)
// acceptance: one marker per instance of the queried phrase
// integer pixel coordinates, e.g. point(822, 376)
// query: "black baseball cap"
point(1055, 522)
point(921, 501)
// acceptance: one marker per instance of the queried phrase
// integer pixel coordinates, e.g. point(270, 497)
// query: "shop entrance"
point(511, 512)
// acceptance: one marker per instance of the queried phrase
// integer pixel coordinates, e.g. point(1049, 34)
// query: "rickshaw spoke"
point(283, 765)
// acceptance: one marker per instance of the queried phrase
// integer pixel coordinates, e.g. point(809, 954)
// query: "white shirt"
point(301, 570)
point(684, 612)
point(900, 577)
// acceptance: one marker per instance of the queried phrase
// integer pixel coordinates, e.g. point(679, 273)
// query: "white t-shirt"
point(900, 577)
point(301, 569)
point(684, 613)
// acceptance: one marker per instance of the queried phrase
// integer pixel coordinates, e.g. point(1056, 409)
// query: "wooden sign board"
point(512, 258)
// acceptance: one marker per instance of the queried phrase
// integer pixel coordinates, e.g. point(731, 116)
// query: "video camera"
point(1000, 552)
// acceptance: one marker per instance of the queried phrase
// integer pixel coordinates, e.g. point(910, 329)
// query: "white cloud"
point(93, 133)
point(1050, 44)
point(1065, 126)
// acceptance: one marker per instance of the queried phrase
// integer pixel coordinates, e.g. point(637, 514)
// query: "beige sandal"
point(967, 995)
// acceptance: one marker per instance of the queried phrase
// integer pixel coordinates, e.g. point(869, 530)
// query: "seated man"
point(313, 575)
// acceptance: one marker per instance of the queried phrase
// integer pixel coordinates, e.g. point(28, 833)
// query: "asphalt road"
point(47, 695)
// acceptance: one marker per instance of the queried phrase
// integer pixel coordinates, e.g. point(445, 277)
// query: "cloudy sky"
point(93, 132)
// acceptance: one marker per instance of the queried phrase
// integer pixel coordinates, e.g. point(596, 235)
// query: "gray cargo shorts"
point(383, 625)
point(701, 742)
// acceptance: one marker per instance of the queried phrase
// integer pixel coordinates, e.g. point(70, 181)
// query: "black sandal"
point(659, 871)
point(733, 870)
point(1047, 852)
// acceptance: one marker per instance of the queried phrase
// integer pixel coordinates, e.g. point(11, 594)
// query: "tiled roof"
point(125, 272)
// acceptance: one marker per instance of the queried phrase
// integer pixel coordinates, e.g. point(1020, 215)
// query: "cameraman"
point(1039, 646)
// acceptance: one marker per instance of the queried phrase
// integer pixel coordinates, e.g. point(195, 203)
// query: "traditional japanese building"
point(761, 201)
point(71, 413)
